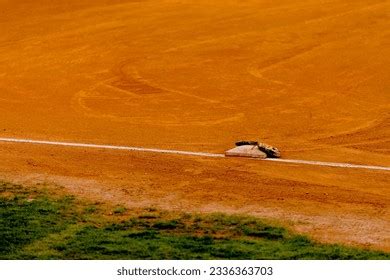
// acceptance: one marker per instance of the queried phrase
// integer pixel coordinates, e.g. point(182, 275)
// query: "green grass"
point(37, 224)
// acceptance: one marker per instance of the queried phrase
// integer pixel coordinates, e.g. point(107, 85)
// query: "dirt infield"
point(309, 78)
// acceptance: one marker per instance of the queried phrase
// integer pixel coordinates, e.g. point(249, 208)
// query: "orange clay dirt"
point(310, 77)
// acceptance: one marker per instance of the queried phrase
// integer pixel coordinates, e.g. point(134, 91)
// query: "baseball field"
point(309, 77)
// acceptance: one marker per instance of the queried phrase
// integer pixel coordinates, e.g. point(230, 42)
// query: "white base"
point(245, 151)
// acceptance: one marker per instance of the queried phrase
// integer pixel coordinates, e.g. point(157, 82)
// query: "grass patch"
point(119, 210)
point(27, 217)
point(40, 224)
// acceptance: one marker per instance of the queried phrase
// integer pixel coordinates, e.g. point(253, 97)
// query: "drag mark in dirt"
point(189, 153)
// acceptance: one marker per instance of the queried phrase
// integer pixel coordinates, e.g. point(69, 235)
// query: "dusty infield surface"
point(309, 78)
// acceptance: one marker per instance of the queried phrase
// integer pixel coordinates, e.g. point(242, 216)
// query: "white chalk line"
point(188, 153)
point(110, 147)
point(331, 164)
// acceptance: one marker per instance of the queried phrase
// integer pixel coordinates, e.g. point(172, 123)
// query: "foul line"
point(110, 147)
point(126, 148)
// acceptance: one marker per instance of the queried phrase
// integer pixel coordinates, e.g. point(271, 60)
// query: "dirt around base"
point(313, 200)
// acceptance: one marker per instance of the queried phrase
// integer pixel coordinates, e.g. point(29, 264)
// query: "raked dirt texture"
point(309, 77)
